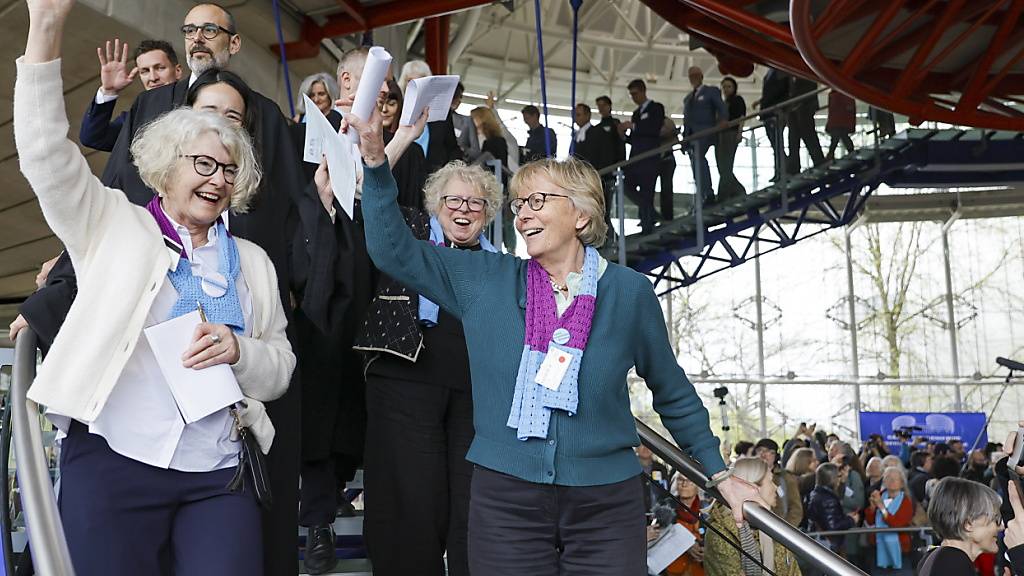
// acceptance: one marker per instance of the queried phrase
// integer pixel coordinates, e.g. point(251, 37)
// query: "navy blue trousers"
point(123, 517)
point(518, 527)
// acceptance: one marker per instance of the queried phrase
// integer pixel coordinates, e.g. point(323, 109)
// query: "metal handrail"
point(50, 552)
point(709, 132)
point(758, 517)
point(872, 530)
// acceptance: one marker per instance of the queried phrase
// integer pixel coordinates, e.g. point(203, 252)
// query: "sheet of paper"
point(198, 393)
point(318, 132)
point(378, 61)
point(341, 165)
point(673, 543)
point(433, 91)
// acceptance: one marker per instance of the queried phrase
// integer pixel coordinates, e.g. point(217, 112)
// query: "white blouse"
point(140, 419)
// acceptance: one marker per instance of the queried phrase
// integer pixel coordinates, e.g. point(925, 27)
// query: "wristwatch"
point(718, 478)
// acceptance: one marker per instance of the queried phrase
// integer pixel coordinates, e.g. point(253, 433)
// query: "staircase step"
point(355, 567)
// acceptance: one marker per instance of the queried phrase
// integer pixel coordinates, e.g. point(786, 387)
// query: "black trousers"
point(666, 169)
point(518, 527)
point(640, 181)
point(416, 478)
point(801, 128)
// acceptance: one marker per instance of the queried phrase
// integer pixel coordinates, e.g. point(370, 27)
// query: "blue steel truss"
point(820, 199)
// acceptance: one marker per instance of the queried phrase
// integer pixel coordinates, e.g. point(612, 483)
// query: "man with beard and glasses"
point(286, 219)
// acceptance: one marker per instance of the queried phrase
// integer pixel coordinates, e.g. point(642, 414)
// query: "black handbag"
point(252, 467)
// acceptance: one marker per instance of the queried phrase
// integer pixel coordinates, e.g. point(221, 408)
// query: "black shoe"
point(320, 549)
point(346, 509)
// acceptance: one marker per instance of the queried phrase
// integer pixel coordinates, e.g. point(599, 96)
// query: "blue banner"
point(935, 426)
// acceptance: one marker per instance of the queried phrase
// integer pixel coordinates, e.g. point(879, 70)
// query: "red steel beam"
point(729, 13)
point(856, 59)
point(800, 21)
point(906, 82)
point(370, 17)
point(436, 43)
point(354, 9)
point(974, 93)
point(396, 13)
point(837, 11)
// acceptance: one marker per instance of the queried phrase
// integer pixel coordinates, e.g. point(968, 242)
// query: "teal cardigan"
point(488, 292)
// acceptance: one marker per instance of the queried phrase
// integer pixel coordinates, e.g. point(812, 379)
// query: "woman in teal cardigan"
point(556, 486)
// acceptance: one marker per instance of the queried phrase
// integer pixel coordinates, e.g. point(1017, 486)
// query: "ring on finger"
point(215, 338)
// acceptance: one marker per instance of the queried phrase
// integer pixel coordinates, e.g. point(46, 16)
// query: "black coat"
point(443, 146)
point(823, 511)
point(599, 146)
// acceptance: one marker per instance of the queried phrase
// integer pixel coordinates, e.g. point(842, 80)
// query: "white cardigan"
point(121, 262)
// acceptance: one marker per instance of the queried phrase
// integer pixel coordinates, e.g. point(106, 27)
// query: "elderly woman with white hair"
point(965, 516)
point(556, 487)
point(143, 491)
point(322, 89)
point(891, 506)
point(418, 394)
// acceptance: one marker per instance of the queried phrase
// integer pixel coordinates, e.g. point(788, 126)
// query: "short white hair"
point(475, 176)
point(159, 145)
point(413, 69)
point(330, 85)
point(895, 470)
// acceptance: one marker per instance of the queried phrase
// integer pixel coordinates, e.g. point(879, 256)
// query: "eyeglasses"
point(210, 31)
point(456, 203)
point(206, 166)
point(535, 200)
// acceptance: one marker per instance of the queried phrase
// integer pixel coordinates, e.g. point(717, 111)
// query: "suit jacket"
point(610, 125)
point(598, 146)
point(774, 89)
point(465, 134)
point(98, 131)
point(536, 147)
point(703, 108)
point(443, 146)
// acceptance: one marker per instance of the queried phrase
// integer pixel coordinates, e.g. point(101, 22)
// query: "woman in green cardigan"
point(556, 486)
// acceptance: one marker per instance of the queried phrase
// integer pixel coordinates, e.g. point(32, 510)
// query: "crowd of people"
point(356, 337)
point(957, 510)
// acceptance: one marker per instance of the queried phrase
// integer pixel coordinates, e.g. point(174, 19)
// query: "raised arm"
point(451, 278)
point(72, 199)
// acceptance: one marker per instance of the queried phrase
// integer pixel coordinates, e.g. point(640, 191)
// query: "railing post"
point(497, 225)
point(45, 531)
point(620, 209)
point(783, 181)
point(698, 196)
point(759, 518)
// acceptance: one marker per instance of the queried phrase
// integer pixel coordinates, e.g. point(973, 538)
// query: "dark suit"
point(600, 148)
point(775, 90)
point(98, 131)
point(610, 124)
point(443, 147)
point(536, 145)
point(286, 218)
point(801, 125)
point(703, 109)
point(645, 135)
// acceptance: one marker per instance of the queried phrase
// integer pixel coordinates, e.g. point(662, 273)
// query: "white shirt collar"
point(581, 132)
point(186, 238)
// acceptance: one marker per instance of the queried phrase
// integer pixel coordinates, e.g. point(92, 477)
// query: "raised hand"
point(114, 73)
point(45, 28)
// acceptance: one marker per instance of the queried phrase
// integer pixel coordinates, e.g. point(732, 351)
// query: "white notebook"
point(433, 91)
point(198, 393)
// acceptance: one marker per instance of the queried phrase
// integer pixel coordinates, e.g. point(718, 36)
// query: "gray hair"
point(413, 69)
point(475, 176)
point(580, 182)
point(897, 470)
point(956, 501)
point(353, 61)
point(892, 460)
point(750, 468)
point(330, 85)
point(158, 146)
point(826, 475)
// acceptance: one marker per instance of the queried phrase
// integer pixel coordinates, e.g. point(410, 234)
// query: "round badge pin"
point(561, 336)
point(214, 285)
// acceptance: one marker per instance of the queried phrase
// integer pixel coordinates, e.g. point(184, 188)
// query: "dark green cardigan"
point(488, 292)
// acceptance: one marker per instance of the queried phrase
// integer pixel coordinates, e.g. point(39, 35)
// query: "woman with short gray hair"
point(965, 515)
point(418, 394)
